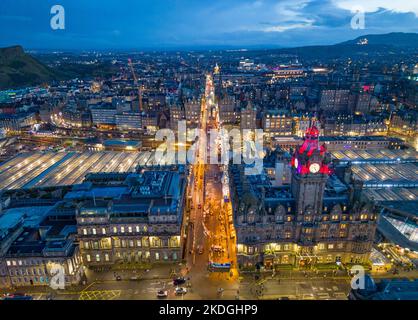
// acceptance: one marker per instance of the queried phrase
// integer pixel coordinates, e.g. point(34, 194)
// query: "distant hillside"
point(382, 44)
point(395, 39)
point(19, 69)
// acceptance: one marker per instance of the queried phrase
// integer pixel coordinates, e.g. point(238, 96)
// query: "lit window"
point(137, 229)
point(94, 230)
point(98, 257)
point(103, 231)
point(130, 229)
point(85, 232)
point(331, 246)
point(106, 257)
point(115, 230)
point(122, 229)
point(8, 263)
point(88, 258)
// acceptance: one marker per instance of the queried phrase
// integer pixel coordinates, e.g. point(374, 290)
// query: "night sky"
point(142, 24)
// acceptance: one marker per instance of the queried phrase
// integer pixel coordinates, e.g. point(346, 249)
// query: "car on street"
point(178, 281)
point(180, 291)
point(162, 293)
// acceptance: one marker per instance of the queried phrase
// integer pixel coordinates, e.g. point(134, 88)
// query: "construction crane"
point(136, 84)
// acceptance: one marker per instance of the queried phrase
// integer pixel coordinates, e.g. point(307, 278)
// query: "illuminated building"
point(192, 113)
point(335, 100)
point(31, 251)
point(135, 220)
point(103, 116)
point(276, 123)
point(319, 219)
point(127, 121)
point(249, 117)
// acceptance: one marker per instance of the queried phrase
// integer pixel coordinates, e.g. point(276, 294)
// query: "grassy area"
point(325, 266)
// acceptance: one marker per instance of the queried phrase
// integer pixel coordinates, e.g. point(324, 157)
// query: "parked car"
point(162, 294)
point(180, 291)
point(179, 281)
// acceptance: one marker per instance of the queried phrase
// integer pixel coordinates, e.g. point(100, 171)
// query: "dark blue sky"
point(136, 24)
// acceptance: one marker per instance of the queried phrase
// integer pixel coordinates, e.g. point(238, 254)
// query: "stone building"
point(136, 220)
point(319, 219)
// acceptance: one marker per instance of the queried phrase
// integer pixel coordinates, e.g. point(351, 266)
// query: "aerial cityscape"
point(167, 157)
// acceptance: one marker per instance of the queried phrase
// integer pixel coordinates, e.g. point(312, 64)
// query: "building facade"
point(141, 223)
point(318, 219)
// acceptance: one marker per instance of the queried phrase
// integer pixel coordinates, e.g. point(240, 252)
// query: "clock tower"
point(310, 172)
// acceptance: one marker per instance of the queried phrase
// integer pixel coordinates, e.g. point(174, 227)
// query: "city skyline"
point(182, 150)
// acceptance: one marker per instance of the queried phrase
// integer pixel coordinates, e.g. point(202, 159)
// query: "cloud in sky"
point(396, 6)
point(158, 23)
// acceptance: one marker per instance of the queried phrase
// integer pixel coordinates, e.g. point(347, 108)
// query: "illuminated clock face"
point(314, 167)
point(296, 163)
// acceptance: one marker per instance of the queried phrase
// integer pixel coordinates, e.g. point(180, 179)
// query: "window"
point(88, 258)
point(115, 230)
point(86, 244)
point(335, 217)
point(137, 228)
point(138, 243)
point(157, 256)
point(106, 257)
point(85, 232)
point(94, 231)
point(130, 229)
point(330, 246)
point(8, 263)
point(98, 257)
point(122, 229)
point(103, 231)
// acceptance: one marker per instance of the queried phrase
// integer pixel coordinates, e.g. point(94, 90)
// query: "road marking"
point(340, 295)
point(100, 295)
point(323, 295)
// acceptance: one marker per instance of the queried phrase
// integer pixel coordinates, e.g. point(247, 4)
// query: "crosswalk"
point(100, 295)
